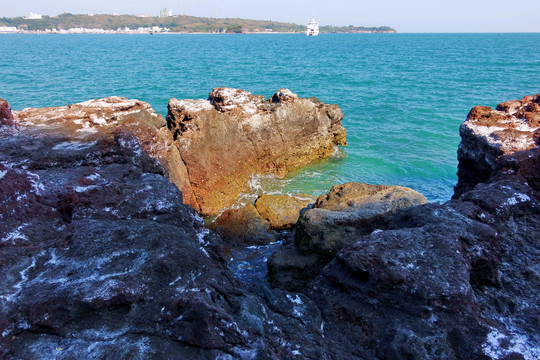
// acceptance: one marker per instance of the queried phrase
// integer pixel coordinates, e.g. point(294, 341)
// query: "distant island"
point(105, 23)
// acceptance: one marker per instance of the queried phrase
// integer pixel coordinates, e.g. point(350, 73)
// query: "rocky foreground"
point(101, 258)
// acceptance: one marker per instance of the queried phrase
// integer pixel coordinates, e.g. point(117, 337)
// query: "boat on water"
point(313, 27)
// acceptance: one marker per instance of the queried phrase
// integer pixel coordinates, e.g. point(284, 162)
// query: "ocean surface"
point(403, 95)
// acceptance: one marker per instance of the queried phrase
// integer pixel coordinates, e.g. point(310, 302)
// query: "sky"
point(402, 15)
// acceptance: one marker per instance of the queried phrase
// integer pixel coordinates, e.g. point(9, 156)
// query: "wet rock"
point(282, 210)
point(291, 270)
point(233, 135)
point(243, 226)
point(6, 118)
point(347, 212)
point(487, 135)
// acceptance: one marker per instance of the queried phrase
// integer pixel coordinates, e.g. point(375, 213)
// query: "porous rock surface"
point(100, 259)
point(336, 220)
point(233, 135)
point(493, 138)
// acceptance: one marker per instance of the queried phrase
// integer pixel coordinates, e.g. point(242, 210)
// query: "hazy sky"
point(403, 15)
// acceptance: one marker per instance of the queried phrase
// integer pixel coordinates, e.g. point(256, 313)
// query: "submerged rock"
point(233, 135)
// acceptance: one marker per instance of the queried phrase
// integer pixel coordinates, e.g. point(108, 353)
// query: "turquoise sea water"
point(403, 95)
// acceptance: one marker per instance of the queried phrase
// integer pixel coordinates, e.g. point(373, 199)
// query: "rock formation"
point(97, 124)
point(101, 259)
point(99, 256)
point(336, 220)
point(231, 136)
point(496, 138)
point(6, 117)
point(282, 210)
point(243, 226)
point(256, 224)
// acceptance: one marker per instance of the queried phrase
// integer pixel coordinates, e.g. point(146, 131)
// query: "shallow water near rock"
point(403, 95)
point(248, 264)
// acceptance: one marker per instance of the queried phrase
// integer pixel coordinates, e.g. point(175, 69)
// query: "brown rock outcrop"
point(282, 210)
point(233, 135)
point(6, 118)
point(243, 226)
point(492, 137)
point(99, 123)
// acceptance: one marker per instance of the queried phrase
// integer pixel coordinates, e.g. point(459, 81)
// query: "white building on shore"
point(34, 16)
point(8, 29)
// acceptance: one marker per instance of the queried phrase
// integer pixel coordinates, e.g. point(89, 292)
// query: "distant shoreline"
point(116, 23)
point(180, 33)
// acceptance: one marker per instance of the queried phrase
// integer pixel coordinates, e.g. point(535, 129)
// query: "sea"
point(403, 95)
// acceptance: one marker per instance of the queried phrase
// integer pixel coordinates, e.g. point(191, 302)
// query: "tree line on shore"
point(177, 23)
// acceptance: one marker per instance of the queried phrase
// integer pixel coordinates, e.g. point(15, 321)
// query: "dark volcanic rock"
point(336, 220)
point(233, 135)
point(398, 294)
point(291, 270)
point(351, 208)
point(100, 258)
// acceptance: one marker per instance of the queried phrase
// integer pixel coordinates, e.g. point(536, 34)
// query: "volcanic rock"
point(6, 118)
point(233, 135)
point(101, 259)
point(489, 135)
point(93, 124)
point(291, 270)
point(406, 293)
point(336, 220)
point(282, 210)
point(348, 211)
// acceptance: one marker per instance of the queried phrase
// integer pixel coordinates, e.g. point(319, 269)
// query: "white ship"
point(313, 27)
